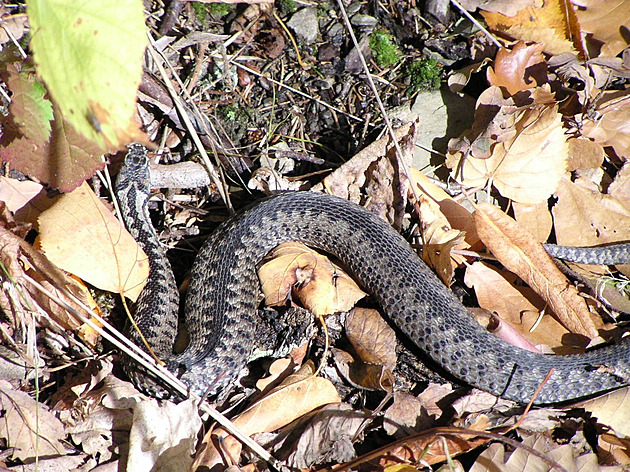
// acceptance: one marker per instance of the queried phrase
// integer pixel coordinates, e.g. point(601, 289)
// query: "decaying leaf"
point(28, 426)
point(322, 287)
point(521, 254)
point(327, 436)
point(80, 235)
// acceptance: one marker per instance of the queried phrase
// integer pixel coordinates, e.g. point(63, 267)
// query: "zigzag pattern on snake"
point(222, 298)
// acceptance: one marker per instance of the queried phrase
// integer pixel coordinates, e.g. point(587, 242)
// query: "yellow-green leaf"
point(89, 54)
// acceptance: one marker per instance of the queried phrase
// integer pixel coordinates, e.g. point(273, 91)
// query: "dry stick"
point(476, 23)
point(122, 343)
point(214, 174)
point(381, 107)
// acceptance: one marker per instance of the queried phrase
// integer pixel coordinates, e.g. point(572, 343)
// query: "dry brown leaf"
point(584, 154)
point(28, 427)
point(535, 218)
point(17, 193)
point(606, 21)
point(520, 459)
point(611, 127)
point(322, 287)
point(163, 436)
point(525, 164)
point(521, 254)
point(374, 343)
point(506, 7)
point(585, 217)
point(612, 410)
point(302, 391)
point(372, 338)
point(406, 414)
point(427, 448)
point(521, 68)
point(15, 24)
point(80, 235)
point(374, 178)
point(553, 24)
point(520, 306)
point(619, 189)
point(327, 436)
point(444, 223)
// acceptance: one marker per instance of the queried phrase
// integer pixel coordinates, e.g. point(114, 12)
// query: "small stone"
point(305, 24)
point(363, 20)
point(327, 52)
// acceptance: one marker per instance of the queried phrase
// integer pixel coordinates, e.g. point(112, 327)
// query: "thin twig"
point(179, 104)
point(477, 24)
point(107, 331)
point(381, 107)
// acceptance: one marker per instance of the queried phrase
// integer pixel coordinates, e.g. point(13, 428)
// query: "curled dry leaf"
point(524, 164)
point(446, 225)
point(302, 390)
point(322, 287)
point(521, 68)
point(80, 235)
point(520, 253)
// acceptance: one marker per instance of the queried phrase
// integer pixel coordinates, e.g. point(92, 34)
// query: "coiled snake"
point(222, 298)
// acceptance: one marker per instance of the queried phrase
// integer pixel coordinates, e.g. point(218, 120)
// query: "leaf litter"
point(544, 160)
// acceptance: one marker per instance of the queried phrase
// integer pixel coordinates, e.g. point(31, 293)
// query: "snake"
point(222, 300)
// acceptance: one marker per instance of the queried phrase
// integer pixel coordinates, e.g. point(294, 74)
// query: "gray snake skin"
point(224, 291)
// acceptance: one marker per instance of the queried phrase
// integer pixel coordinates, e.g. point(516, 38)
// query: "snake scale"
point(222, 299)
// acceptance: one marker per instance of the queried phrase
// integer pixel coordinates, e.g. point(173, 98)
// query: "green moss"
point(287, 6)
point(424, 75)
point(384, 51)
point(233, 112)
point(216, 10)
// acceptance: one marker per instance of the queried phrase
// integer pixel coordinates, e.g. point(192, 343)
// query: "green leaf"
point(30, 111)
point(89, 54)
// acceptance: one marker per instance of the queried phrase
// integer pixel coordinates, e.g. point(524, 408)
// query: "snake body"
point(223, 295)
